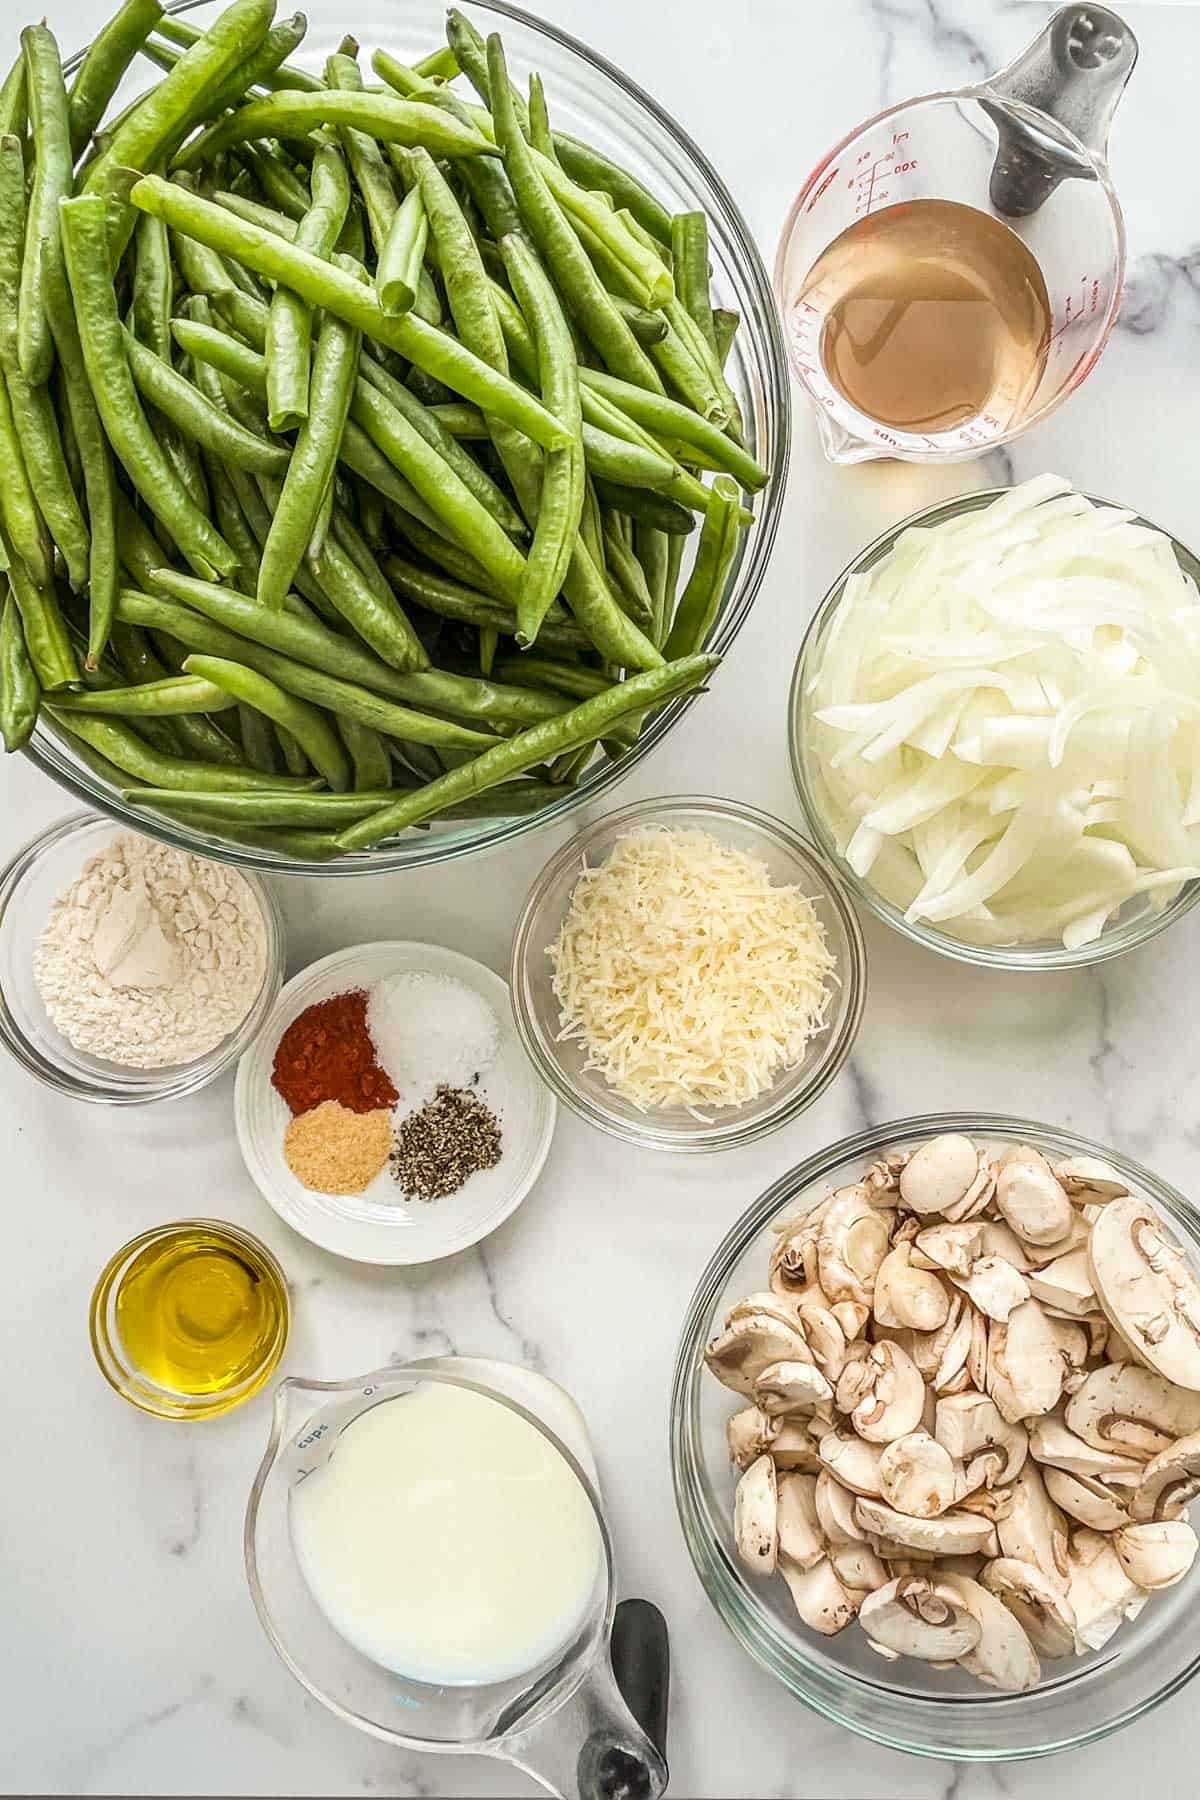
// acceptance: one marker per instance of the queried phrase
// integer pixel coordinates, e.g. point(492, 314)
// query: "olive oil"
point(935, 314)
point(190, 1319)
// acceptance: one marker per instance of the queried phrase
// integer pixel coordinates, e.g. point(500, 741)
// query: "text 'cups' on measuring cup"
point(1027, 149)
point(562, 1719)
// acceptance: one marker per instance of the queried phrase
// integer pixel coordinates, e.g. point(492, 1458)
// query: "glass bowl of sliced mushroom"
point(936, 1429)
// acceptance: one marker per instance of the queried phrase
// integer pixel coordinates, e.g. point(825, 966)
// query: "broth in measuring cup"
point(934, 314)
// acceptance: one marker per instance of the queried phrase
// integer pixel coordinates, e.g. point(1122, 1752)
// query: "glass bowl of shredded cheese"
point(688, 974)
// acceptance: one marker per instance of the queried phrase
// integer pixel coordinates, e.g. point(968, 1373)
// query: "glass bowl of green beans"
point(385, 715)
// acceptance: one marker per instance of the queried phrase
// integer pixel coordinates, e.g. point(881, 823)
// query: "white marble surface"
point(130, 1658)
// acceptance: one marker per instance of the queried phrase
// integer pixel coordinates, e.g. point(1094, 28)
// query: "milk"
point(447, 1539)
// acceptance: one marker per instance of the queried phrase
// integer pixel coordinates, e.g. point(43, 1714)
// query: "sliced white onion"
point(1004, 715)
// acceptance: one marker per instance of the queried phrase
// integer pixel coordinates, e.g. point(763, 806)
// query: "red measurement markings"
point(1084, 303)
point(821, 189)
point(868, 184)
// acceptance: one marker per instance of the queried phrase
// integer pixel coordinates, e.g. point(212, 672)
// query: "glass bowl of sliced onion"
point(995, 727)
point(688, 974)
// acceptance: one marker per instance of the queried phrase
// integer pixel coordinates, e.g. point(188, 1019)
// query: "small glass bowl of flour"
point(131, 971)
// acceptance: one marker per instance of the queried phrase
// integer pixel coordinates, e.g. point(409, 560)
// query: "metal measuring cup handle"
point(1073, 73)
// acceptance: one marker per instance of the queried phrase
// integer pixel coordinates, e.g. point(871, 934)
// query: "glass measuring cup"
point(1028, 146)
point(565, 1723)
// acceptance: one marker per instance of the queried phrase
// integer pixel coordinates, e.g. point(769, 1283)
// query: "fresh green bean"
point(178, 31)
point(12, 237)
point(304, 722)
point(581, 288)
point(689, 257)
point(402, 255)
point(287, 344)
point(293, 845)
point(650, 508)
point(561, 678)
point(449, 599)
point(424, 420)
point(370, 607)
point(333, 692)
point(364, 155)
point(652, 282)
point(20, 691)
point(45, 465)
point(52, 178)
point(231, 520)
point(701, 598)
point(368, 751)
point(652, 549)
point(560, 501)
point(328, 286)
point(585, 723)
point(648, 327)
point(19, 515)
point(104, 63)
point(151, 129)
point(384, 117)
point(725, 325)
point(190, 733)
point(470, 53)
point(14, 101)
point(294, 759)
point(259, 743)
point(151, 699)
point(45, 630)
point(591, 169)
point(667, 418)
point(277, 180)
point(84, 224)
point(460, 420)
point(627, 576)
point(236, 627)
point(195, 415)
point(153, 286)
point(274, 809)
point(310, 469)
point(612, 458)
point(126, 750)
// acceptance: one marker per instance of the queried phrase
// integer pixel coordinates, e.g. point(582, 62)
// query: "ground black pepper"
point(439, 1147)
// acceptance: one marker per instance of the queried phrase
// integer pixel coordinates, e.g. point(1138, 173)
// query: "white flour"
point(152, 956)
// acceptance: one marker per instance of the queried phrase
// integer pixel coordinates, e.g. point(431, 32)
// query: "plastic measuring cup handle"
point(1074, 74)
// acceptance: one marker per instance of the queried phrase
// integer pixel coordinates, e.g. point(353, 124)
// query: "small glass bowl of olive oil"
point(190, 1319)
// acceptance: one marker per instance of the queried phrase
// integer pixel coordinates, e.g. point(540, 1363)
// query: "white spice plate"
point(380, 1225)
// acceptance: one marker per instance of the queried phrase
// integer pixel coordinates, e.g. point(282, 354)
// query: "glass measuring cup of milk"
point(1027, 150)
point(535, 1689)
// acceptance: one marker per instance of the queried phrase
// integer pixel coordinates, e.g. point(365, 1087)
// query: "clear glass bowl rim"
point(817, 1684)
point(423, 850)
point(143, 1087)
point(1028, 958)
point(660, 809)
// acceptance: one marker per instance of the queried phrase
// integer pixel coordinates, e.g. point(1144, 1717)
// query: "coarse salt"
point(430, 1030)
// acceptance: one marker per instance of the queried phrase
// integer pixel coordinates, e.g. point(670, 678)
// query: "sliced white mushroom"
point(1039, 1605)
point(1028, 1359)
point(825, 1339)
point(1031, 1198)
point(800, 1538)
point(1132, 1411)
point(1080, 1231)
point(852, 1317)
point(794, 1445)
point(1099, 1592)
point(1085, 1498)
point(978, 1493)
point(969, 1423)
point(1035, 1531)
point(739, 1355)
point(950, 1534)
point(756, 1517)
point(749, 1434)
point(819, 1597)
point(1065, 1283)
point(996, 1238)
point(1051, 1442)
point(918, 1476)
point(952, 1247)
point(853, 1241)
point(1004, 1657)
point(952, 1372)
point(794, 1259)
point(1156, 1554)
point(1148, 1288)
point(994, 1286)
point(791, 1387)
point(939, 1174)
point(783, 1307)
point(852, 1461)
point(1085, 1176)
point(908, 1296)
point(917, 1616)
point(884, 1393)
point(1171, 1480)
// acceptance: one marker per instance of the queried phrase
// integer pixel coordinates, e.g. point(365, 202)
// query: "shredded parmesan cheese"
point(689, 979)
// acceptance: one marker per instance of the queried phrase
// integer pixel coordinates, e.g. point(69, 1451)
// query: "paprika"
point(327, 1053)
